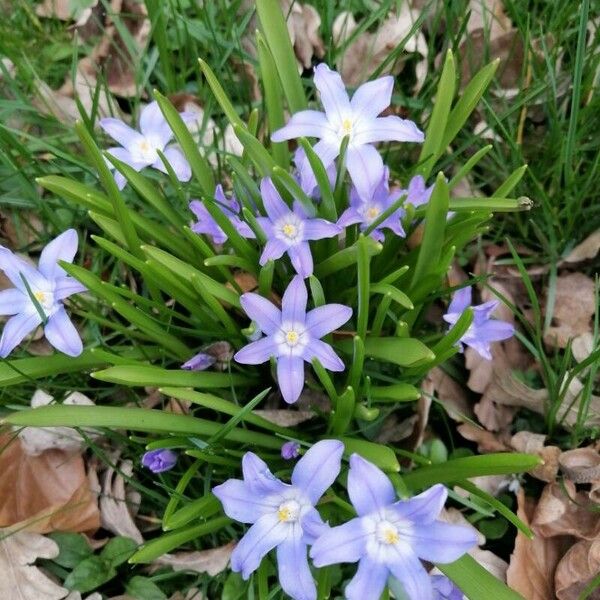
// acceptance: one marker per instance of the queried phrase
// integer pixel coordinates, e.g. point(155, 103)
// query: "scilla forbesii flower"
point(160, 460)
point(358, 119)
point(417, 193)
point(282, 515)
point(483, 330)
point(389, 537)
point(38, 296)
point(139, 149)
point(365, 211)
point(207, 225)
point(289, 230)
point(292, 335)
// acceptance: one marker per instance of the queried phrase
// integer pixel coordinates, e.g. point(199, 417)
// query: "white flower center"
point(45, 300)
point(290, 229)
point(291, 338)
point(387, 533)
point(145, 150)
point(289, 511)
point(372, 212)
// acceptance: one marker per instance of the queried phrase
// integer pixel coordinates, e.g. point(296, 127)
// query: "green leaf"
point(382, 456)
point(327, 206)
point(204, 507)
point(345, 258)
point(278, 39)
point(169, 541)
point(118, 550)
point(255, 150)
point(476, 582)
point(399, 351)
point(73, 548)
point(89, 574)
point(400, 297)
point(136, 419)
point(430, 250)
point(511, 182)
point(471, 466)
point(200, 167)
point(433, 146)
point(143, 588)
point(344, 411)
point(398, 392)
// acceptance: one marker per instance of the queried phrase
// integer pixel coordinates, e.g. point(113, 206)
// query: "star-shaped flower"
point(358, 119)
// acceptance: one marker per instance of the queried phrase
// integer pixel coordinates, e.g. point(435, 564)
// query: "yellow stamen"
point(347, 126)
point(40, 296)
point(289, 230)
point(391, 537)
point(373, 212)
point(284, 515)
point(292, 337)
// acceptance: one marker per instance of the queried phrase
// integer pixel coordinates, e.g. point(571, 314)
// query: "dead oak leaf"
point(533, 443)
point(20, 579)
point(578, 566)
point(589, 248)
point(212, 562)
point(533, 561)
point(44, 493)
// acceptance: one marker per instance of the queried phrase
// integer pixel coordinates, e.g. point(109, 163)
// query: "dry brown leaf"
point(572, 311)
point(117, 506)
point(36, 440)
point(364, 55)
point(19, 579)
point(285, 417)
point(489, 16)
point(65, 10)
point(589, 248)
point(212, 562)
point(533, 443)
point(452, 395)
point(566, 512)
point(486, 440)
point(581, 465)
point(44, 493)
point(303, 23)
point(579, 565)
point(533, 561)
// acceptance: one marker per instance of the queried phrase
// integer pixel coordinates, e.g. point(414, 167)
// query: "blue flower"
point(159, 461)
point(282, 515)
point(483, 330)
point(49, 285)
point(389, 537)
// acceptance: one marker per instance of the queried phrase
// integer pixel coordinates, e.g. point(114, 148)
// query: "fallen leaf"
point(212, 562)
point(533, 561)
point(577, 568)
point(369, 50)
point(36, 440)
point(581, 465)
point(486, 440)
point(44, 493)
point(303, 23)
point(572, 311)
point(66, 10)
point(562, 510)
point(285, 417)
point(588, 249)
point(117, 506)
point(451, 395)
point(20, 579)
point(533, 443)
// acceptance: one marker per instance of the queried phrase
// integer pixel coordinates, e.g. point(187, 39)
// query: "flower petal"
point(365, 167)
point(177, 161)
point(13, 301)
point(325, 354)
point(274, 205)
point(345, 543)
point(317, 229)
point(333, 95)
point(15, 268)
point(124, 156)
point(327, 151)
point(67, 286)
point(257, 352)
point(301, 258)
point(306, 123)
point(441, 542)
point(262, 537)
point(324, 319)
point(368, 487)
point(349, 217)
point(313, 526)
point(293, 303)
point(273, 250)
point(290, 377)
point(62, 247)
point(258, 476)
point(154, 124)
point(294, 573)
point(120, 132)
point(318, 468)
point(407, 569)
point(15, 329)
point(62, 334)
point(241, 503)
point(387, 129)
point(369, 581)
point(424, 508)
point(259, 309)
point(373, 97)
point(461, 300)
point(495, 331)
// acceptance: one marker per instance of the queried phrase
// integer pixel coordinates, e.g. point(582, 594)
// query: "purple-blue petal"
point(373, 97)
point(441, 542)
point(365, 167)
point(258, 476)
point(13, 301)
point(120, 132)
point(293, 303)
point(154, 124)
point(424, 508)
point(256, 353)
point(301, 258)
point(62, 247)
point(306, 123)
point(15, 330)
point(199, 362)
point(241, 504)
point(62, 334)
point(316, 471)
point(461, 300)
point(407, 569)
point(294, 573)
point(67, 286)
point(259, 309)
point(290, 377)
point(318, 229)
point(332, 93)
point(387, 129)
point(290, 450)
point(369, 488)
point(324, 319)
point(177, 161)
point(273, 250)
point(369, 580)
point(272, 201)
point(325, 354)
point(160, 460)
point(313, 526)
point(345, 543)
